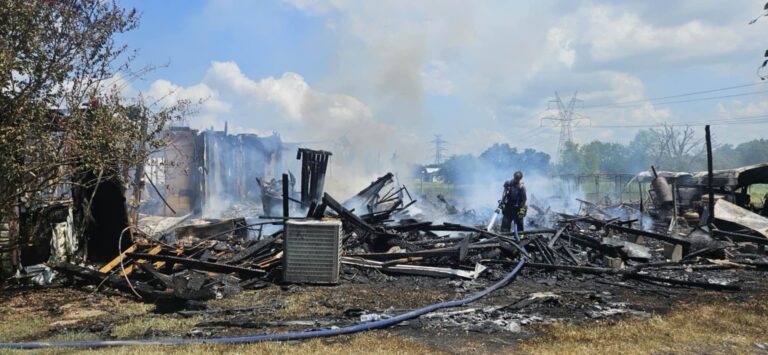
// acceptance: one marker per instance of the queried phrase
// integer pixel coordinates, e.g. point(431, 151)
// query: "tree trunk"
point(9, 251)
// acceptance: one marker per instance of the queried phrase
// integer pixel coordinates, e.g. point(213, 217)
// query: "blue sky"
point(387, 75)
point(265, 38)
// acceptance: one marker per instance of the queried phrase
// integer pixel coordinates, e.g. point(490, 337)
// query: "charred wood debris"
point(384, 235)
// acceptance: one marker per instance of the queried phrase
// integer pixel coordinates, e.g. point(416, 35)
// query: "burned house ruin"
point(201, 172)
point(198, 173)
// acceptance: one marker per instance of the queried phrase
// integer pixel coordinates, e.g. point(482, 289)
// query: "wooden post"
point(597, 189)
point(711, 207)
point(286, 196)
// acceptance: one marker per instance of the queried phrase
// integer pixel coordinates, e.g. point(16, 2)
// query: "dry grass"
point(136, 327)
point(365, 343)
point(298, 304)
point(26, 317)
point(20, 326)
point(314, 301)
point(718, 327)
point(730, 327)
point(29, 316)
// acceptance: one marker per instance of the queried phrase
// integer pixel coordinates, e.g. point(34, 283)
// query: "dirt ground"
point(572, 314)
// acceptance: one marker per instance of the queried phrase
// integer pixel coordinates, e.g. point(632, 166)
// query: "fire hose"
point(282, 336)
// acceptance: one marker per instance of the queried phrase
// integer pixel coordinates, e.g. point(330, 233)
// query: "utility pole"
point(440, 149)
point(711, 197)
point(566, 119)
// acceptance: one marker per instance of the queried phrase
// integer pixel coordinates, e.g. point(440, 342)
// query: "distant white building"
point(431, 174)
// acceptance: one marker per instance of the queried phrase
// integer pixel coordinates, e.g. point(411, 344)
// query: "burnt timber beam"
point(200, 265)
point(657, 236)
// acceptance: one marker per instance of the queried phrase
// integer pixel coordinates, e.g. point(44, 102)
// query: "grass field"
point(718, 328)
point(757, 192)
point(721, 327)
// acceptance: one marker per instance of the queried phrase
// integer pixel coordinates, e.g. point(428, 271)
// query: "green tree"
point(501, 155)
point(571, 161)
point(753, 152)
point(460, 169)
point(614, 158)
point(724, 157)
point(590, 157)
point(57, 114)
point(502, 160)
point(600, 157)
point(640, 151)
point(535, 160)
point(59, 120)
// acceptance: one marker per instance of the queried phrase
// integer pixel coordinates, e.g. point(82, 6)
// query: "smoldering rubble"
point(383, 235)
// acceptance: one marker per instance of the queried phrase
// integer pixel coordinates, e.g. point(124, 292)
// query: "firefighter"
point(512, 204)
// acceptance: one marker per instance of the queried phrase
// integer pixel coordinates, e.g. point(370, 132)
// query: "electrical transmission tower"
point(566, 118)
point(439, 143)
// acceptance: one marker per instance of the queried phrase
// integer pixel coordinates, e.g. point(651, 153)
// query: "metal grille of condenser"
point(312, 251)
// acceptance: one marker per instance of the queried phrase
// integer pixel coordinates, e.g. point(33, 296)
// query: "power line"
point(743, 120)
point(630, 103)
point(566, 119)
point(692, 124)
point(689, 100)
point(529, 133)
point(534, 133)
point(439, 143)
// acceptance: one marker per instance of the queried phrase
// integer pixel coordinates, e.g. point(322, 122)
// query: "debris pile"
point(381, 235)
point(204, 262)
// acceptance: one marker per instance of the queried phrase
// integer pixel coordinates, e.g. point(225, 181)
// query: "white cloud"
point(392, 54)
point(613, 98)
point(739, 108)
point(648, 114)
point(297, 111)
point(165, 93)
point(287, 103)
point(610, 33)
point(309, 110)
point(435, 76)
point(416, 68)
point(558, 42)
point(737, 121)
